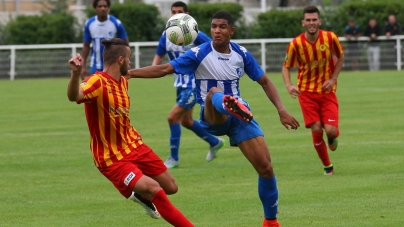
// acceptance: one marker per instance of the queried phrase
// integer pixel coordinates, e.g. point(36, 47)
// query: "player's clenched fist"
point(76, 63)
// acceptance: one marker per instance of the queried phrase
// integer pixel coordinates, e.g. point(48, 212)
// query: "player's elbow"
point(71, 98)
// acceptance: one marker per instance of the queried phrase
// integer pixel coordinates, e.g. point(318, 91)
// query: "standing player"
point(218, 67)
point(99, 27)
point(186, 95)
point(118, 149)
point(313, 52)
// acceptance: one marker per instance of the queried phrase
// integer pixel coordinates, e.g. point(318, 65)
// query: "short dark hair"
point(224, 15)
point(180, 4)
point(311, 9)
point(113, 48)
point(95, 3)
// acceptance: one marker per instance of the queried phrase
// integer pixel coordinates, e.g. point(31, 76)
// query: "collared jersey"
point(315, 60)
point(107, 104)
point(95, 31)
point(174, 51)
point(214, 69)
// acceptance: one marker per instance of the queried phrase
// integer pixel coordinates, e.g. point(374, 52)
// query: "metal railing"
point(50, 60)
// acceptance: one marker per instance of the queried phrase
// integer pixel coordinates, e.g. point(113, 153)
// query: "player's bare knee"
point(172, 119)
point(266, 170)
point(172, 189)
point(332, 132)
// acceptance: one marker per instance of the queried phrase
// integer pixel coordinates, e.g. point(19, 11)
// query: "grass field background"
point(47, 177)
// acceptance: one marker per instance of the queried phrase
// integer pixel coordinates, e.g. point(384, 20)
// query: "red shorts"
point(125, 173)
point(319, 107)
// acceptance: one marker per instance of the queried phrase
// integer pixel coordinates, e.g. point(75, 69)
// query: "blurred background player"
point(118, 149)
point(316, 81)
point(352, 33)
point(99, 27)
point(186, 95)
point(218, 67)
point(372, 31)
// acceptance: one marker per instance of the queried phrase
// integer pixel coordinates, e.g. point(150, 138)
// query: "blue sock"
point(175, 135)
point(217, 102)
point(268, 193)
point(199, 131)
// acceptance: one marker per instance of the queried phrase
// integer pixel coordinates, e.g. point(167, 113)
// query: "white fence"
point(36, 61)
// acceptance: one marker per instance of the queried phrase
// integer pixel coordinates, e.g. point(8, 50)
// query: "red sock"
point(169, 212)
point(270, 223)
point(321, 148)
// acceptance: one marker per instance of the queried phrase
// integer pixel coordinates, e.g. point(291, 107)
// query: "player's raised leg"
point(256, 151)
point(217, 104)
point(330, 119)
point(332, 135)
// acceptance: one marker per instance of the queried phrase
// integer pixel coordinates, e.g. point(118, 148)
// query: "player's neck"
point(102, 18)
point(112, 71)
point(224, 49)
point(311, 37)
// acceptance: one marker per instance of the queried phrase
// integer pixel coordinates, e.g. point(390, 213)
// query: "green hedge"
point(287, 23)
point(362, 11)
point(46, 29)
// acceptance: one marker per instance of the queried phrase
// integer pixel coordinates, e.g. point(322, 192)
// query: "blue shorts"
point(236, 129)
point(186, 97)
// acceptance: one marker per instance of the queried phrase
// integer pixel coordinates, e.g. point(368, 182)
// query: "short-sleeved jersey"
point(107, 104)
point(174, 51)
point(315, 60)
point(214, 69)
point(95, 31)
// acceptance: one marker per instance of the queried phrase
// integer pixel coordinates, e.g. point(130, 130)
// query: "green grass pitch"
point(47, 177)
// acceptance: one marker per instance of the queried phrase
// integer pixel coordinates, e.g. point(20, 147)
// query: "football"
point(181, 29)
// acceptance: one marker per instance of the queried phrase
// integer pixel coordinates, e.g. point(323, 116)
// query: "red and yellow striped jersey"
point(107, 112)
point(315, 60)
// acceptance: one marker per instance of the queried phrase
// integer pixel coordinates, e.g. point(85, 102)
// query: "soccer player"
point(118, 149)
point(99, 27)
point(313, 52)
point(218, 67)
point(186, 95)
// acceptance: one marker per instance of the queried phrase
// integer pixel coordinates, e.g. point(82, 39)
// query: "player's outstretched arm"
point(74, 91)
point(270, 90)
point(154, 71)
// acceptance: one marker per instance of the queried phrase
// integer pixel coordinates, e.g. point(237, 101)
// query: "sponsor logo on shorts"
point(129, 178)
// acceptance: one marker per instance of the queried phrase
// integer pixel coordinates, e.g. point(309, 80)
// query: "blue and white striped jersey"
point(214, 69)
point(174, 51)
point(95, 31)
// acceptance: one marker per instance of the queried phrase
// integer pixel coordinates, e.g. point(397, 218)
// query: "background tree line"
point(143, 23)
